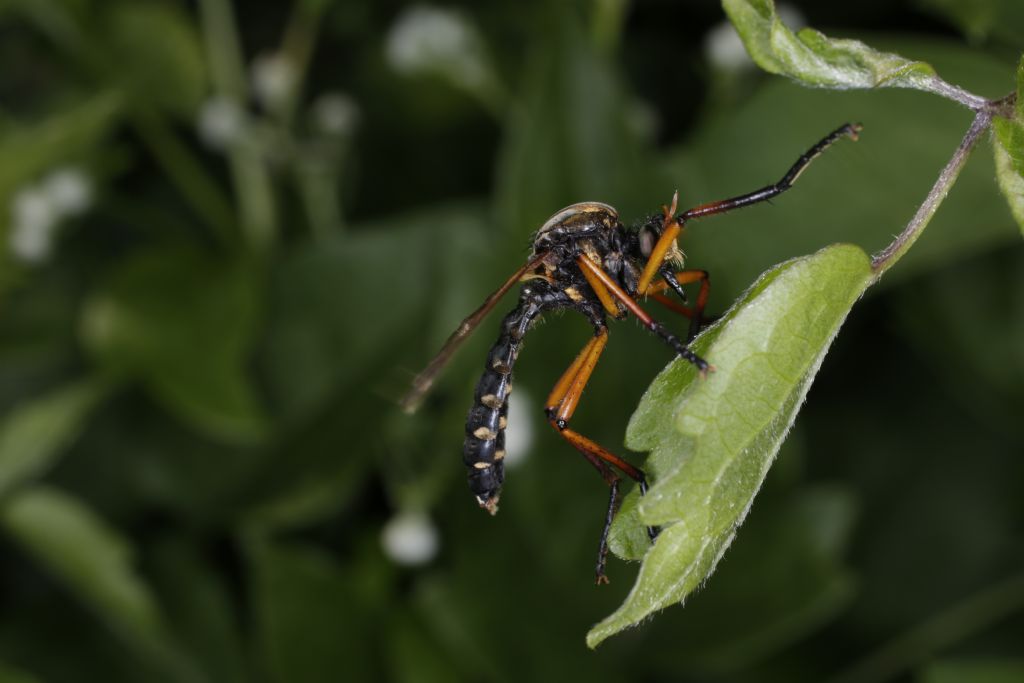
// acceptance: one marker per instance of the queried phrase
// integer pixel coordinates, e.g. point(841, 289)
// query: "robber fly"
point(585, 260)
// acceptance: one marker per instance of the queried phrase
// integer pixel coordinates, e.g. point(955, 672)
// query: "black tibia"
point(849, 130)
point(668, 272)
point(678, 346)
point(602, 549)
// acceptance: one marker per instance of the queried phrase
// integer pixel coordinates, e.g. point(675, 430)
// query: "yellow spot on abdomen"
point(485, 434)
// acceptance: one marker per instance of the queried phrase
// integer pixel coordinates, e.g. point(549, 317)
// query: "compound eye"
point(647, 240)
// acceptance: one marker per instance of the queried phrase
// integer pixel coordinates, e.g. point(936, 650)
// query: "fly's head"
point(649, 232)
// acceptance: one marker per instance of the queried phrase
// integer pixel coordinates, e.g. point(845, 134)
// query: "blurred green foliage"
point(285, 212)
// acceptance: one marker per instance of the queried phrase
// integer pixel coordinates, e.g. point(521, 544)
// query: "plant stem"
point(223, 49)
point(606, 24)
point(885, 259)
point(253, 186)
point(958, 94)
point(297, 46)
point(957, 622)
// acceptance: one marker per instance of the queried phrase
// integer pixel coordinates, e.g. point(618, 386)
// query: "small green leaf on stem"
point(1009, 148)
point(1011, 180)
point(714, 439)
point(817, 60)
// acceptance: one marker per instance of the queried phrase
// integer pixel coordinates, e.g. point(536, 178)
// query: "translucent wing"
point(425, 380)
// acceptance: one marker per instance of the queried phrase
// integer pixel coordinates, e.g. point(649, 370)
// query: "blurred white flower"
point(36, 211)
point(427, 39)
point(335, 113)
point(69, 191)
point(410, 539)
point(273, 78)
point(220, 122)
point(33, 219)
point(520, 431)
point(724, 49)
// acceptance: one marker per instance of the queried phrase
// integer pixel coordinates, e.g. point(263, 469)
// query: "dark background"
point(200, 448)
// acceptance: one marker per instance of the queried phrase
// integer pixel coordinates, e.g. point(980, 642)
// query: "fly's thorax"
point(585, 220)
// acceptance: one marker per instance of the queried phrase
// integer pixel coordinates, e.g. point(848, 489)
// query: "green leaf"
point(714, 439)
point(815, 59)
point(980, 670)
point(1009, 151)
point(330, 354)
point(1010, 136)
point(93, 562)
point(156, 53)
point(313, 623)
point(35, 433)
point(183, 323)
point(317, 339)
point(199, 609)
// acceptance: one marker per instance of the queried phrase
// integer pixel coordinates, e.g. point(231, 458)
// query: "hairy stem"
point(885, 259)
point(989, 109)
point(958, 94)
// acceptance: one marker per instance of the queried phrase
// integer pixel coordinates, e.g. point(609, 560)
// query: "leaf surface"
point(1008, 142)
point(814, 59)
point(713, 440)
point(182, 322)
point(35, 433)
point(95, 564)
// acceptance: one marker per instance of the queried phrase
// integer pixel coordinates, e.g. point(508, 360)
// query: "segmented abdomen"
point(484, 448)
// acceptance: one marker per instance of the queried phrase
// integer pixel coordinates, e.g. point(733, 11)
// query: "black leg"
point(849, 130)
point(602, 548)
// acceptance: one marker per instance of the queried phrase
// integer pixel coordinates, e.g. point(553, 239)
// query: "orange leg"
point(561, 405)
point(587, 357)
point(600, 280)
